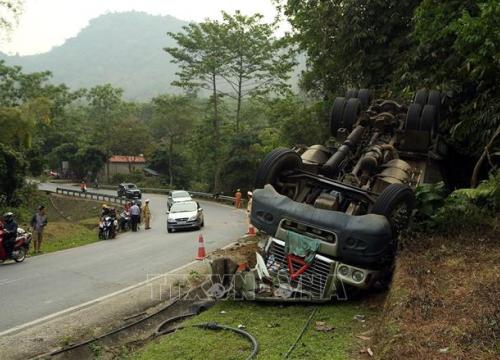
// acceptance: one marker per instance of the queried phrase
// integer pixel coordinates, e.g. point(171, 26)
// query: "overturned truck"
point(332, 213)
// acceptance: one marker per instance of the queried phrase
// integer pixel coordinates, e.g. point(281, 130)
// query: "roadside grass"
point(274, 326)
point(444, 299)
point(72, 222)
point(60, 235)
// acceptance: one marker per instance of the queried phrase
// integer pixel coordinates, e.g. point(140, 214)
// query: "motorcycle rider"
point(105, 210)
point(10, 233)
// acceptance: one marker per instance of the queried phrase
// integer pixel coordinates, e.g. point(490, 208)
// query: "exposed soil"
point(443, 303)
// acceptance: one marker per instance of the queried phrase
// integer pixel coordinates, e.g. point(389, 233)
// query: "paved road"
point(46, 284)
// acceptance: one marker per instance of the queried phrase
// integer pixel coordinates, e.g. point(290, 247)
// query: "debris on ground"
point(323, 327)
point(360, 318)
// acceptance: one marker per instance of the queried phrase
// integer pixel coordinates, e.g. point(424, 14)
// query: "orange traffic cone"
point(251, 230)
point(201, 248)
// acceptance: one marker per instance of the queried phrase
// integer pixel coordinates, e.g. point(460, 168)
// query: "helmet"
point(104, 206)
point(8, 217)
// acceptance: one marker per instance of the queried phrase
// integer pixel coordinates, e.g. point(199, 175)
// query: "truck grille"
point(316, 279)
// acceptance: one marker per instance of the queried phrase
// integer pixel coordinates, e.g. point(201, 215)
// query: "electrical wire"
point(306, 325)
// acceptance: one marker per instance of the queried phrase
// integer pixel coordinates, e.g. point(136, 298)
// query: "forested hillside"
point(123, 49)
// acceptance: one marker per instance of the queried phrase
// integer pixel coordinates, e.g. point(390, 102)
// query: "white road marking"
point(87, 304)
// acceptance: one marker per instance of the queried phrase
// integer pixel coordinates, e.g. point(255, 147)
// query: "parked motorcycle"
point(107, 228)
point(21, 246)
point(124, 221)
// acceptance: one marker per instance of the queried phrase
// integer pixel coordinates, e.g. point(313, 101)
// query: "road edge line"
point(88, 303)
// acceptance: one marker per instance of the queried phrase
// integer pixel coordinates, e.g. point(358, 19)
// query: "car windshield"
point(187, 206)
point(180, 194)
point(131, 186)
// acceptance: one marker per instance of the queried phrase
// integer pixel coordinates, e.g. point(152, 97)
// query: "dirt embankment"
point(444, 299)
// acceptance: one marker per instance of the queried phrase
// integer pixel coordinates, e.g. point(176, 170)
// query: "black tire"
point(435, 99)
point(351, 93)
point(396, 203)
point(21, 255)
point(277, 161)
point(365, 96)
point(351, 113)
point(336, 116)
point(413, 117)
point(421, 97)
point(428, 118)
point(169, 230)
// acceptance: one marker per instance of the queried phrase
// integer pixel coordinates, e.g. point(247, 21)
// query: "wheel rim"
point(21, 255)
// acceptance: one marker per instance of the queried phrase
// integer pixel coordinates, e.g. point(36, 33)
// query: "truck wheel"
point(365, 96)
point(351, 93)
point(277, 161)
point(336, 117)
point(351, 113)
point(428, 118)
point(434, 99)
point(396, 203)
point(413, 117)
point(421, 97)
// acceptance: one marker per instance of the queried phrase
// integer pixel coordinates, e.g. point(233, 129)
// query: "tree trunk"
point(238, 108)
point(170, 155)
point(218, 166)
point(475, 174)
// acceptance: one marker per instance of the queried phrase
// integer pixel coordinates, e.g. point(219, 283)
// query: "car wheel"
point(274, 164)
point(396, 203)
point(413, 117)
point(169, 230)
point(351, 113)
point(336, 116)
point(421, 97)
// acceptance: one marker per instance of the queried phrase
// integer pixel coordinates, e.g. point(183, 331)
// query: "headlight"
point(344, 270)
point(193, 218)
point(358, 276)
point(170, 220)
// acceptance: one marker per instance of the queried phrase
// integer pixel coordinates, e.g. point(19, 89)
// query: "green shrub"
point(463, 209)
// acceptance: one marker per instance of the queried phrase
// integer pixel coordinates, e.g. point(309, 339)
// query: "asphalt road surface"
point(50, 283)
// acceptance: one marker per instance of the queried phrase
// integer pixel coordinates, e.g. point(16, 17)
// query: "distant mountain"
point(124, 49)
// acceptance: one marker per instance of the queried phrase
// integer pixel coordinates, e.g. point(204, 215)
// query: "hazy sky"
point(47, 23)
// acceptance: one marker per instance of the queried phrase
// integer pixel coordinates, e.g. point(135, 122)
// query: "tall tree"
point(9, 15)
point(257, 63)
point(350, 42)
point(173, 118)
point(201, 59)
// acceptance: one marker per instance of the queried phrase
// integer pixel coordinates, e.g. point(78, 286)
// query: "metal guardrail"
point(197, 194)
point(91, 195)
point(121, 200)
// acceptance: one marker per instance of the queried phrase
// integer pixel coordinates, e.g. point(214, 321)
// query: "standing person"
point(38, 223)
point(237, 202)
point(135, 213)
point(10, 233)
point(146, 215)
point(83, 186)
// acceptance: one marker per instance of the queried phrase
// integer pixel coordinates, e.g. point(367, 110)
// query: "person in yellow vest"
point(237, 201)
point(146, 215)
